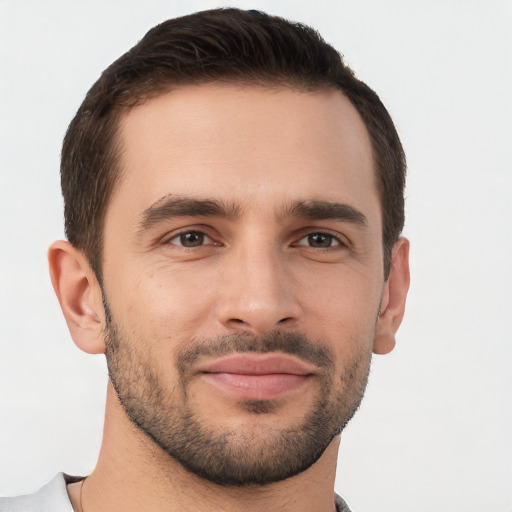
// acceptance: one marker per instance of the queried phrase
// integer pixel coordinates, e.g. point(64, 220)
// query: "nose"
point(258, 292)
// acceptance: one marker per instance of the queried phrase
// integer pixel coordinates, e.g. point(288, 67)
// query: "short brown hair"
point(220, 45)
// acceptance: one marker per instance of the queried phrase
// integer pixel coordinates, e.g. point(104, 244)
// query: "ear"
point(393, 299)
point(79, 296)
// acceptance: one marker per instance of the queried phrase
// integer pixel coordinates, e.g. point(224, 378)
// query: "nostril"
point(259, 322)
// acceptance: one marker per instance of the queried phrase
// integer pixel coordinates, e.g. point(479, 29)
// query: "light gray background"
point(434, 432)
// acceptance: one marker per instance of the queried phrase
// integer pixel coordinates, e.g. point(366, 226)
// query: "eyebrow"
point(326, 210)
point(172, 206)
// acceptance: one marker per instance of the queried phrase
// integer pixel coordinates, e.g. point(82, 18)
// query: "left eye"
point(319, 241)
point(190, 239)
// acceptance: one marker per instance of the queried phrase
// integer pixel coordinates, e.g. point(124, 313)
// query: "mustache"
point(296, 344)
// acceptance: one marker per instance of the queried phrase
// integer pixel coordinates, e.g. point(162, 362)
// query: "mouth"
point(257, 376)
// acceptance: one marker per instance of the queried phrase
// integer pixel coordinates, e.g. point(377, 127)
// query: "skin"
point(259, 151)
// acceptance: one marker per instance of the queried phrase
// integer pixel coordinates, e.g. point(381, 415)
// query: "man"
point(233, 207)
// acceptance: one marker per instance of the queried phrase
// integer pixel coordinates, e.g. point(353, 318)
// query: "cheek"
point(343, 306)
point(161, 303)
point(345, 287)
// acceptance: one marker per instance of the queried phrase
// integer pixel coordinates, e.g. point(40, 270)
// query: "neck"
point(134, 474)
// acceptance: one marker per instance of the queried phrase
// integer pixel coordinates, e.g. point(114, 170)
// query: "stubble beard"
point(234, 456)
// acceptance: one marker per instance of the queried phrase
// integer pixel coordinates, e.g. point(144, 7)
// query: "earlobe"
point(393, 299)
point(79, 295)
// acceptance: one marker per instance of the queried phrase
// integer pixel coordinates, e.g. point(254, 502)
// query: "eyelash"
point(335, 241)
point(184, 233)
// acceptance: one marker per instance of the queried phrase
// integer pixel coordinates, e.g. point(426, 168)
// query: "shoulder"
point(341, 506)
point(52, 497)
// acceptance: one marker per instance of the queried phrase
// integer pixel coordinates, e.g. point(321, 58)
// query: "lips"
point(257, 377)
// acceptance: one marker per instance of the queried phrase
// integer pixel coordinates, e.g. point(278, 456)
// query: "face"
point(243, 276)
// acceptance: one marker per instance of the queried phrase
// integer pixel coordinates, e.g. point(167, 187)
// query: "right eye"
point(190, 239)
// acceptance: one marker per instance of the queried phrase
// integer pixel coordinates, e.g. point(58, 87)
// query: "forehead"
point(248, 145)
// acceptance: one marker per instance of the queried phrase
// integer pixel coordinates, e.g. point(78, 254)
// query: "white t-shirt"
point(53, 497)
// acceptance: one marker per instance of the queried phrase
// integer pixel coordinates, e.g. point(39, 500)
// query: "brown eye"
point(190, 239)
point(319, 241)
